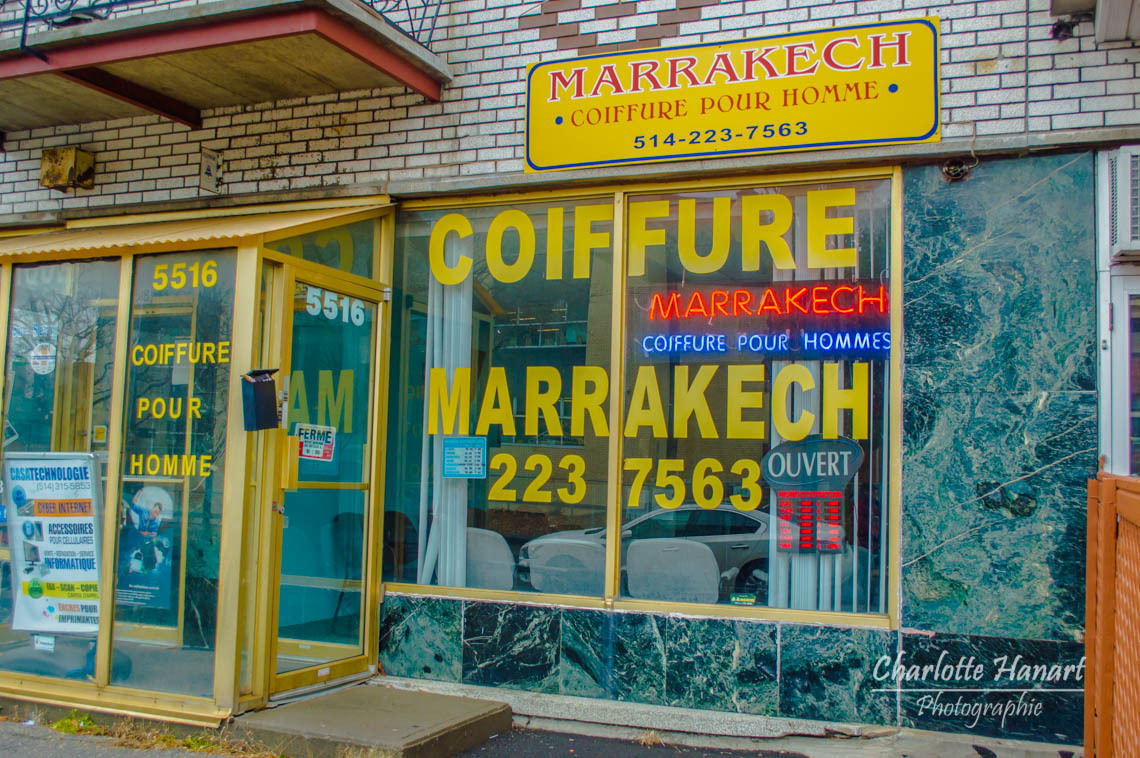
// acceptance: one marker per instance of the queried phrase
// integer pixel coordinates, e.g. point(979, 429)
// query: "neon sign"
point(846, 341)
point(822, 319)
point(807, 344)
point(684, 343)
point(819, 299)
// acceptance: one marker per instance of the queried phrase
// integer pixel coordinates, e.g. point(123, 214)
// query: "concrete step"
point(376, 721)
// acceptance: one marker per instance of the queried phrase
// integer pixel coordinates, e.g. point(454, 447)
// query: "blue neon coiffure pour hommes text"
point(762, 343)
point(860, 341)
point(684, 343)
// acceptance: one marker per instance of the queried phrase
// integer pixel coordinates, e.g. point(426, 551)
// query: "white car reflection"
point(572, 561)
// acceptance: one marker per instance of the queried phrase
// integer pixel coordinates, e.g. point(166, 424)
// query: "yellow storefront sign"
point(872, 84)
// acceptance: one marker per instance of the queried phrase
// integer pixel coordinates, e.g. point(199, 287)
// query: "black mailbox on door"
point(259, 399)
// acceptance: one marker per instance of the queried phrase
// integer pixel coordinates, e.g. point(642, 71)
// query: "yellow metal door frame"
point(279, 474)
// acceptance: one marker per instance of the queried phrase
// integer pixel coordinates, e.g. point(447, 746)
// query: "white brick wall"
point(1001, 74)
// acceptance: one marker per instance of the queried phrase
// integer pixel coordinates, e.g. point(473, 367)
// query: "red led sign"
point(822, 299)
point(809, 521)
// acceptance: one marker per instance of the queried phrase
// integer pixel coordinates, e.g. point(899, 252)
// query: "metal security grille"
point(415, 18)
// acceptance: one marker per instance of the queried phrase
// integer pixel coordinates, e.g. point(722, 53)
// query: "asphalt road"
point(532, 743)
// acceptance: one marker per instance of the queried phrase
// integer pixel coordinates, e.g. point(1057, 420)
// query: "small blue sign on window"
point(464, 457)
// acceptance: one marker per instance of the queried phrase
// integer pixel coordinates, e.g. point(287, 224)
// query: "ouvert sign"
point(856, 85)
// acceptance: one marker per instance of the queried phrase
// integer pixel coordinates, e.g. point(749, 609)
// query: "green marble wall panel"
point(721, 665)
point(639, 658)
point(999, 396)
point(585, 661)
point(419, 637)
point(826, 674)
point(996, 686)
point(506, 645)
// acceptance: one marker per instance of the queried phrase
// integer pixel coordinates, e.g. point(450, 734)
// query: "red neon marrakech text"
point(816, 300)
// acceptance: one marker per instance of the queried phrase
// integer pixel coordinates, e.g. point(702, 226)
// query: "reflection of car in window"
point(738, 539)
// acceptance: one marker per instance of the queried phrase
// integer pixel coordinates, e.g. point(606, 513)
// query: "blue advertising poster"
point(53, 512)
point(148, 531)
point(464, 457)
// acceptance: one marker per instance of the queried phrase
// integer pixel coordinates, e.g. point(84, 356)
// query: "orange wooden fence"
point(1112, 618)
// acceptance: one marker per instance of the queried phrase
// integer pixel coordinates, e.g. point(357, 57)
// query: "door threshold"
point(312, 690)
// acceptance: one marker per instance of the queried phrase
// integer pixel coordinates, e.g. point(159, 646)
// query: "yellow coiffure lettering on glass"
point(508, 243)
point(870, 84)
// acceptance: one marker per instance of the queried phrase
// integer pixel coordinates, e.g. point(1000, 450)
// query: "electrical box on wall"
point(210, 171)
point(1124, 186)
point(259, 399)
point(64, 168)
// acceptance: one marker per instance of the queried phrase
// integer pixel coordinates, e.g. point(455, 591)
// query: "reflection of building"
point(362, 169)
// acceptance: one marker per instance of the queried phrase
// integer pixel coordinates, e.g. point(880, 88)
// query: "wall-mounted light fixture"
point(1065, 28)
point(956, 169)
point(66, 168)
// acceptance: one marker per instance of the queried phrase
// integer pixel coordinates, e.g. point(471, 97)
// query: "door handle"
point(739, 547)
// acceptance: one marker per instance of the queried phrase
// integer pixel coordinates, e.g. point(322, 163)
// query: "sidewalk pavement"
point(905, 744)
point(22, 740)
point(375, 720)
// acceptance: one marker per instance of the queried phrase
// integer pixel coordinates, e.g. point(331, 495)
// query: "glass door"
point(323, 508)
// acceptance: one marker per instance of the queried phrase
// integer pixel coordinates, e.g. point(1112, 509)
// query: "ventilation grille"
point(1114, 236)
point(1124, 175)
point(1133, 197)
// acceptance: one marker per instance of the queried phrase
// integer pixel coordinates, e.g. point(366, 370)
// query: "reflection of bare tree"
point(204, 315)
point(81, 331)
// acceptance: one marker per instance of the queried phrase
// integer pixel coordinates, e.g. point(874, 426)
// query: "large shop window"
point(61, 346)
point(758, 338)
point(751, 413)
point(174, 444)
point(501, 339)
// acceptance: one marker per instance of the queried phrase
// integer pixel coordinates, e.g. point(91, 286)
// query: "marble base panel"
point(821, 673)
point(420, 637)
point(721, 665)
point(826, 674)
point(585, 662)
point(507, 645)
point(994, 686)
